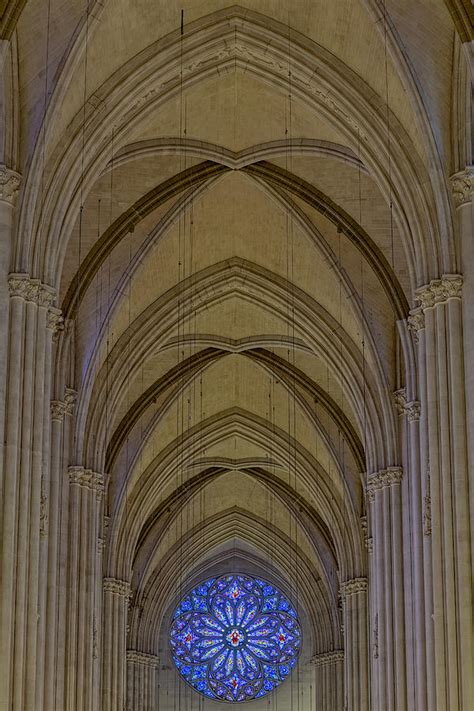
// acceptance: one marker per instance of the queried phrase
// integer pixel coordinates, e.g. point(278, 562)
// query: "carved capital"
point(322, 660)
point(416, 322)
point(54, 320)
point(118, 587)
point(78, 476)
point(70, 399)
point(462, 185)
point(413, 410)
point(57, 410)
point(10, 182)
point(147, 660)
point(438, 291)
point(353, 587)
point(400, 399)
point(384, 478)
point(21, 286)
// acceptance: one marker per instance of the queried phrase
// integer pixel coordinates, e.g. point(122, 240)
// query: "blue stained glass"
point(235, 638)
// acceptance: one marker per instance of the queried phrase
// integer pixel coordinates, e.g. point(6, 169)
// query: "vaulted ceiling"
point(236, 213)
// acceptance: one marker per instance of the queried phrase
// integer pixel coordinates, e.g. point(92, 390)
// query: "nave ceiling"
point(216, 219)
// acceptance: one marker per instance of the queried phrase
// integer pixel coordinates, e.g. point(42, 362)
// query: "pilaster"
point(117, 594)
point(329, 680)
point(84, 601)
point(388, 623)
point(443, 381)
point(354, 599)
point(142, 681)
point(25, 488)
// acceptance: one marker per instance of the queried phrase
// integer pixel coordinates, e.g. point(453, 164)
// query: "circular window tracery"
point(235, 638)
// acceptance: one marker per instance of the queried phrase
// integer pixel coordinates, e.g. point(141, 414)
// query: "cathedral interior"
point(236, 338)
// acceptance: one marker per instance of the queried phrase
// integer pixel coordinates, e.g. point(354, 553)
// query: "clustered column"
point(117, 595)
point(84, 600)
point(355, 622)
point(417, 564)
point(388, 623)
point(329, 681)
point(441, 358)
point(142, 681)
point(52, 670)
point(25, 481)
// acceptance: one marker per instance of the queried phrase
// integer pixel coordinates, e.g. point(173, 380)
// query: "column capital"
point(60, 408)
point(147, 660)
point(321, 660)
point(400, 400)
point(23, 286)
point(416, 322)
point(352, 587)
point(411, 409)
point(438, 291)
point(118, 587)
point(78, 476)
point(384, 478)
point(462, 186)
point(10, 182)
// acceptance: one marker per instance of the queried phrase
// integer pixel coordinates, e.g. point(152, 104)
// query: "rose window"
point(235, 638)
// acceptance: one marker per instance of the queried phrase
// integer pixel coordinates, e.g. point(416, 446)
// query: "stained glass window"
point(235, 638)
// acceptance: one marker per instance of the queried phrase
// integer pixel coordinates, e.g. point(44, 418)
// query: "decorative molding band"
point(147, 660)
point(427, 507)
point(438, 291)
point(118, 587)
point(322, 660)
point(462, 185)
point(10, 183)
point(352, 587)
point(87, 479)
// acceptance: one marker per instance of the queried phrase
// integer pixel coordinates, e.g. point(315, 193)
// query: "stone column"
point(413, 492)
point(356, 661)
point(449, 492)
point(24, 483)
point(389, 659)
point(329, 681)
point(84, 589)
point(142, 681)
point(117, 594)
point(61, 411)
point(463, 194)
point(9, 187)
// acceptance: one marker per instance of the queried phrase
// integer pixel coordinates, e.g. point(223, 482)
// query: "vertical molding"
point(117, 594)
point(25, 484)
point(448, 492)
point(356, 659)
point(84, 588)
point(389, 662)
point(142, 681)
point(329, 680)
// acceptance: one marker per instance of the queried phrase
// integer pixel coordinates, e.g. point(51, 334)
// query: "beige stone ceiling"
point(230, 269)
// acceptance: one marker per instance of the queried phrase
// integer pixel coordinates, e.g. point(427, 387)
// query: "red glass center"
point(235, 637)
